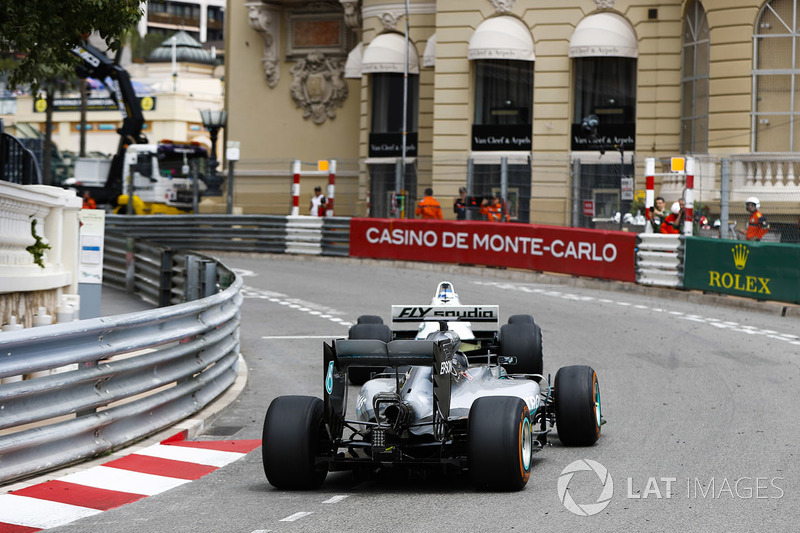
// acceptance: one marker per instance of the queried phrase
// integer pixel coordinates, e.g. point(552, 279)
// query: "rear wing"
point(344, 353)
point(462, 313)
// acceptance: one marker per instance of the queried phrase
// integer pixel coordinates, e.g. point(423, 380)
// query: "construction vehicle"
point(159, 177)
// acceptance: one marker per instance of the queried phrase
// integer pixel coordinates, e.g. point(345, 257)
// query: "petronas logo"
point(740, 254)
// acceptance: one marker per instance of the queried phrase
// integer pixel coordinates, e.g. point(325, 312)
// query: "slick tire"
point(369, 319)
point(521, 319)
point(359, 375)
point(500, 443)
point(577, 405)
point(294, 435)
point(522, 340)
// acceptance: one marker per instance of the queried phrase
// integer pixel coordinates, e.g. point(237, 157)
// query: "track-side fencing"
point(240, 233)
point(659, 260)
point(103, 383)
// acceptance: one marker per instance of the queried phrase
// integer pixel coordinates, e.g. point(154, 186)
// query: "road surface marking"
point(296, 516)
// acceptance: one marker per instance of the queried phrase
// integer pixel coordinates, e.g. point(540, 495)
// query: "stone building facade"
point(560, 99)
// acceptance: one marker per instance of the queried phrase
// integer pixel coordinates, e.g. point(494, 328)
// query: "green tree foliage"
point(44, 31)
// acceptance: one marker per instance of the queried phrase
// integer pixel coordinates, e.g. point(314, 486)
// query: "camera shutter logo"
point(587, 509)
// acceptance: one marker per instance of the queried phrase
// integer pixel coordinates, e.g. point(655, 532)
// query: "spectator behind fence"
point(428, 207)
point(460, 204)
point(655, 215)
point(673, 223)
point(318, 203)
point(494, 210)
point(757, 225)
point(88, 201)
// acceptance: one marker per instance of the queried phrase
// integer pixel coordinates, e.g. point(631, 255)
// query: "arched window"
point(694, 81)
point(604, 49)
point(502, 51)
point(776, 79)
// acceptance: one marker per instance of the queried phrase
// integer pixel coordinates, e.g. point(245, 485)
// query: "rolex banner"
point(760, 270)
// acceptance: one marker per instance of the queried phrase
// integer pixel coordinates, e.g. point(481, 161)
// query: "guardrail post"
point(130, 264)
point(165, 283)
point(209, 278)
point(724, 197)
point(192, 291)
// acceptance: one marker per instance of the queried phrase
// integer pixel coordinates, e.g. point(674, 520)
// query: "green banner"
point(760, 270)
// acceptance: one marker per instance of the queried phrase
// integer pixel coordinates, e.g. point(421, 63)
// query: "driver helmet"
point(460, 362)
point(753, 200)
point(445, 293)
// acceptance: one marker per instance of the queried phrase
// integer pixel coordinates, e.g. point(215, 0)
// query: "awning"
point(429, 56)
point(502, 37)
point(385, 53)
point(603, 35)
point(352, 68)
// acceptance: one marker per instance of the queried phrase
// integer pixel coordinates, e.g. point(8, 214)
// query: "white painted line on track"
point(716, 322)
point(192, 455)
point(336, 499)
point(42, 514)
point(104, 477)
point(296, 516)
point(303, 306)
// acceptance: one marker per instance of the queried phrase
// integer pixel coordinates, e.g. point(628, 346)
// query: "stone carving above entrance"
point(503, 6)
point(266, 20)
point(390, 19)
point(604, 4)
point(318, 86)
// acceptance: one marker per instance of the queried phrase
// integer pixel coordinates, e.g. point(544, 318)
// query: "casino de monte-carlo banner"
point(760, 270)
point(581, 252)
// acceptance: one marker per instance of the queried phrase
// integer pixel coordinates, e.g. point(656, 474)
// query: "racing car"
point(452, 391)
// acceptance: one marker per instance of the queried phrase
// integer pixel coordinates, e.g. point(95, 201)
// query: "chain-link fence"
point(581, 190)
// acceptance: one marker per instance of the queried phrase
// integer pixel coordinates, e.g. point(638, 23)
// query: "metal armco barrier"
point(760, 270)
point(136, 373)
point(659, 260)
point(240, 233)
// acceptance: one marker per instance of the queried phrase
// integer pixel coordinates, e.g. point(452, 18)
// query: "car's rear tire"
point(500, 443)
point(521, 319)
point(577, 405)
point(523, 340)
point(369, 319)
point(359, 375)
point(294, 435)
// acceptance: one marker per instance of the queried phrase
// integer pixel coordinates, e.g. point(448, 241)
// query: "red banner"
point(582, 252)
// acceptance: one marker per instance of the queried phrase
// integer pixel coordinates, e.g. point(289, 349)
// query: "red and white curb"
point(148, 471)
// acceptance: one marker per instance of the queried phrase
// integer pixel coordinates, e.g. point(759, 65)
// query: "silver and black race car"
point(455, 393)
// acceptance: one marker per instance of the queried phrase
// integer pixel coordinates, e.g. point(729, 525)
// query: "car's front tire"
point(500, 443)
point(577, 405)
point(294, 436)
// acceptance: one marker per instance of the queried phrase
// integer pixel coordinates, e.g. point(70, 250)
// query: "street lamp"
point(213, 120)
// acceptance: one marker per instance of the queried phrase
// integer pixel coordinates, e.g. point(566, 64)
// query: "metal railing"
point(99, 384)
point(659, 260)
point(240, 233)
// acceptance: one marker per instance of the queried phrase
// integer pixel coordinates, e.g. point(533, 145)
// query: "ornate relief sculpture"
point(266, 20)
point(390, 20)
point(502, 6)
point(352, 14)
point(318, 86)
point(604, 4)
